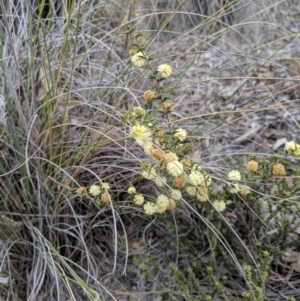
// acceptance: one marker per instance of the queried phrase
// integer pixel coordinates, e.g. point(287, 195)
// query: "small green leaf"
point(130, 30)
point(138, 35)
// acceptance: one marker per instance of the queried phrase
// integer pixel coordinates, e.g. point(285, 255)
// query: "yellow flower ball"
point(186, 162)
point(171, 205)
point(219, 205)
point(138, 111)
point(234, 175)
point(164, 70)
point(158, 154)
point(167, 106)
point(139, 130)
point(131, 52)
point(278, 169)
point(180, 134)
point(160, 181)
point(234, 188)
point(95, 190)
point(197, 178)
point(175, 168)
point(202, 193)
point(179, 182)
point(293, 148)
point(147, 146)
point(149, 173)
point(149, 95)
point(175, 194)
point(80, 191)
point(170, 156)
point(138, 59)
point(191, 190)
point(105, 197)
point(244, 190)
point(138, 199)
point(105, 186)
point(160, 133)
point(162, 203)
point(131, 190)
point(252, 165)
point(150, 208)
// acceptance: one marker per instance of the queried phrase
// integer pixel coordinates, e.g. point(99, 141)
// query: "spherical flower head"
point(175, 194)
point(149, 95)
point(171, 205)
point(138, 111)
point(158, 154)
point(234, 188)
point(175, 168)
point(131, 190)
point(252, 165)
point(219, 205)
point(202, 194)
point(191, 190)
point(197, 178)
point(244, 190)
point(278, 169)
point(80, 191)
point(179, 182)
point(234, 175)
point(139, 130)
point(167, 106)
point(141, 134)
point(105, 186)
point(105, 197)
point(131, 52)
point(146, 143)
point(180, 134)
point(95, 190)
point(160, 133)
point(150, 208)
point(293, 148)
point(186, 162)
point(290, 147)
point(160, 181)
point(157, 142)
point(147, 146)
point(138, 59)
point(138, 199)
point(162, 203)
point(170, 156)
point(149, 173)
point(164, 70)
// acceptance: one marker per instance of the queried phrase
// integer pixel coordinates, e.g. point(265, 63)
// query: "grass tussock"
point(149, 150)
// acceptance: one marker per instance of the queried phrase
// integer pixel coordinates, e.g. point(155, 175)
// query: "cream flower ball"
point(175, 194)
point(138, 59)
point(175, 168)
point(138, 199)
point(219, 205)
point(191, 190)
point(164, 70)
point(162, 203)
point(180, 134)
point(150, 173)
point(95, 190)
point(234, 175)
point(292, 147)
point(131, 190)
point(150, 208)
